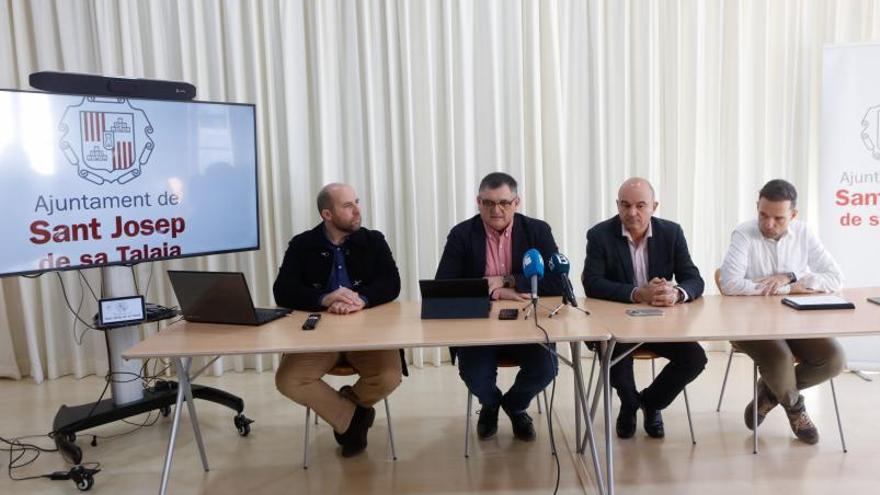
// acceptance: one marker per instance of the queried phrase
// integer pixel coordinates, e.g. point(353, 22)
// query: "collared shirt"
point(499, 251)
point(639, 255)
point(752, 256)
point(339, 272)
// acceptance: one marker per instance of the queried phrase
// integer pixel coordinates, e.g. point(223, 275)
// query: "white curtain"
point(414, 101)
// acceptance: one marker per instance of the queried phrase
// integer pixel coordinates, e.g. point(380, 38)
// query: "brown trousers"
point(820, 360)
point(299, 378)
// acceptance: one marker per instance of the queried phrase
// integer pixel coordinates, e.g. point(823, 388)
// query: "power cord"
point(553, 364)
point(82, 474)
point(69, 306)
point(22, 454)
point(19, 452)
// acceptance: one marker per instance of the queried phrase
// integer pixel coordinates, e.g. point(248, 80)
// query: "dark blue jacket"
point(465, 253)
point(608, 271)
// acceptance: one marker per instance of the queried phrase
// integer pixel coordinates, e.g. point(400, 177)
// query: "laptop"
point(219, 297)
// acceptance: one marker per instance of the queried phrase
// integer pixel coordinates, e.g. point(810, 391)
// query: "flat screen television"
point(90, 181)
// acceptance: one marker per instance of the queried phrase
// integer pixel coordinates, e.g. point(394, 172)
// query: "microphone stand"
point(562, 305)
point(567, 299)
point(533, 305)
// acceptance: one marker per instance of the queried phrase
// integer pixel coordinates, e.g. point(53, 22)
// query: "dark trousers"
point(686, 361)
point(478, 367)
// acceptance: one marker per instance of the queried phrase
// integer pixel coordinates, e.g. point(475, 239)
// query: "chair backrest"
point(718, 279)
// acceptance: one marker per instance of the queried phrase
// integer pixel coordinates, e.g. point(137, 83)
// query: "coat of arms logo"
point(871, 131)
point(106, 139)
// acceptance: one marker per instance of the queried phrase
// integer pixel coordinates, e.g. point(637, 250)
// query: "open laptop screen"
point(213, 297)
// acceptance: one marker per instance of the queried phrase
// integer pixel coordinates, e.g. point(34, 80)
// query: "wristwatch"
point(509, 281)
point(792, 278)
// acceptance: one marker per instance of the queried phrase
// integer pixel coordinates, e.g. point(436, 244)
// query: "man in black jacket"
point(633, 258)
point(340, 267)
point(491, 245)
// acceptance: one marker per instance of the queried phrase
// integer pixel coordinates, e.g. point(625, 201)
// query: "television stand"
point(71, 420)
point(127, 396)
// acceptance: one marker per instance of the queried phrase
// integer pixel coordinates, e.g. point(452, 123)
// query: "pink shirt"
point(639, 255)
point(498, 251)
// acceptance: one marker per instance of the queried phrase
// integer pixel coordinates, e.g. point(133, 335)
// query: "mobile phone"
point(311, 322)
point(508, 314)
point(875, 300)
point(645, 312)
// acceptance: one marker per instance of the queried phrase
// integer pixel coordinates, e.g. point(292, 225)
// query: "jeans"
point(686, 361)
point(478, 367)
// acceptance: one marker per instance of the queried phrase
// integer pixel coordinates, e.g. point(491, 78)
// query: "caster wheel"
point(243, 424)
point(165, 411)
point(85, 483)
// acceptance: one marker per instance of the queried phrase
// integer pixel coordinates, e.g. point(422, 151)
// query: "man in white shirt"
point(777, 254)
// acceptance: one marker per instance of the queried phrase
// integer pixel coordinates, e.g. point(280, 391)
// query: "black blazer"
point(465, 253)
point(608, 271)
point(305, 272)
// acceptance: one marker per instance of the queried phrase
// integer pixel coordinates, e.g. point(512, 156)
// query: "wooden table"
point(390, 326)
point(723, 318)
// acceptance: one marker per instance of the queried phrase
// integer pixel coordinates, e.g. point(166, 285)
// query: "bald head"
point(327, 194)
point(339, 207)
point(636, 205)
point(637, 185)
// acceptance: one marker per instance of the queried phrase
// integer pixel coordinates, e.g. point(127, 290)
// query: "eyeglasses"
point(504, 204)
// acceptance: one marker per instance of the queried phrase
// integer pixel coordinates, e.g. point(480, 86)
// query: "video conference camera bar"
point(90, 84)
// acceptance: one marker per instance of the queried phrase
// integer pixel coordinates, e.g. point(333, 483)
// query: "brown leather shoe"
point(800, 422)
point(766, 402)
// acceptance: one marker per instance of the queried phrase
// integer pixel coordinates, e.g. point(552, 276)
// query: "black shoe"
point(653, 423)
point(354, 440)
point(522, 426)
point(487, 425)
point(626, 422)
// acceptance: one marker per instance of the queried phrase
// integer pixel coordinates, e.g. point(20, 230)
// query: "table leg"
point(581, 403)
point(184, 383)
point(607, 350)
point(175, 423)
point(184, 393)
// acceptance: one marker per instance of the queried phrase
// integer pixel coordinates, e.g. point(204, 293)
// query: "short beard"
point(348, 229)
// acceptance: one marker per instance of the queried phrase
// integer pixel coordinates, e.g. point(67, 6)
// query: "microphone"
point(559, 265)
point(533, 269)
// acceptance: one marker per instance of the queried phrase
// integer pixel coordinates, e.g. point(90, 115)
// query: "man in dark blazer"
point(633, 258)
point(491, 245)
point(342, 268)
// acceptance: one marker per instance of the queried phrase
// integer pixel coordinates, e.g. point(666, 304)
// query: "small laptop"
point(455, 298)
point(218, 297)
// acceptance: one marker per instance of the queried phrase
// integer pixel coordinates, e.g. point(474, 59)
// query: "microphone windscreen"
point(533, 264)
point(559, 264)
